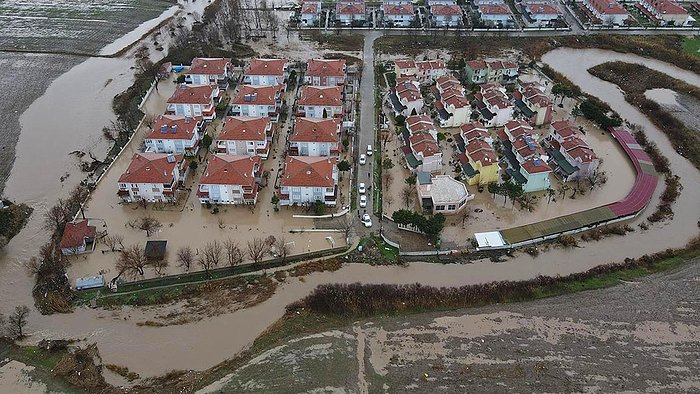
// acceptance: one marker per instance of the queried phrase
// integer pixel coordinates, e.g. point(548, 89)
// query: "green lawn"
point(692, 45)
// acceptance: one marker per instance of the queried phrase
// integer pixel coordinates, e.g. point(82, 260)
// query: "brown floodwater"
point(70, 116)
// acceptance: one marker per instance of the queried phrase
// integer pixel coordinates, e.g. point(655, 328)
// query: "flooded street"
point(70, 116)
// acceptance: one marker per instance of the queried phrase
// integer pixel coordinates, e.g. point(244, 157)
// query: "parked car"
point(369, 150)
point(363, 159)
point(362, 188)
point(363, 201)
point(366, 220)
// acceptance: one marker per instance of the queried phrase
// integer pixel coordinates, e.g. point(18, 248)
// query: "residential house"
point(258, 101)
point(405, 67)
point(209, 71)
point(665, 12)
point(496, 15)
point(432, 3)
point(245, 136)
point(441, 193)
point(496, 71)
point(453, 109)
point(446, 15)
point(194, 101)
point(406, 98)
point(175, 134)
point(430, 70)
point(477, 71)
point(310, 13)
point(266, 72)
point(607, 12)
point(420, 148)
point(535, 173)
point(526, 158)
point(78, 237)
point(153, 177)
point(541, 13)
point(320, 101)
point(571, 156)
point(534, 104)
point(518, 128)
point(350, 13)
point(306, 180)
point(315, 137)
point(479, 162)
point(421, 123)
point(401, 15)
point(230, 179)
point(493, 104)
point(325, 72)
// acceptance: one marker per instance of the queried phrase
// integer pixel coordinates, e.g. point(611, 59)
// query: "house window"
point(122, 185)
point(439, 207)
point(451, 207)
point(155, 190)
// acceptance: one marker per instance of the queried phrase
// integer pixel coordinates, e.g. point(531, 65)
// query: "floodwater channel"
point(70, 116)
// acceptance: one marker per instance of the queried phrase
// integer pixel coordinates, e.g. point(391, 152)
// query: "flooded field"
point(683, 106)
point(636, 337)
point(76, 26)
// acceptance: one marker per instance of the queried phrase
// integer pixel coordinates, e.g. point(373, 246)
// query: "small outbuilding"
point(155, 250)
point(90, 282)
point(78, 237)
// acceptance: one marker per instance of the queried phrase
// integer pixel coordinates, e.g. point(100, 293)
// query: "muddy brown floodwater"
point(84, 92)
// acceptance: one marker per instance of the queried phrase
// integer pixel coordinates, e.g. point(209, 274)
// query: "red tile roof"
point(209, 66)
point(273, 67)
point(193, 94)
point(608, 7)
point(531, 167)
point(244, 128)
point(231, 170)
point(150, 168)
point(500, 64)
point(536, 96)
point(328, 96)
point(494, 9)
point(418, 123)
point(315, 130)
point(430, 65)
point(257, 95)
point(405, 64)
point(516, 128)
point(310, 8)
point(446, 10)
point(472, 131)
point(424, 143)
point(573, 142)
point(398, 9)
point(543, 9)
point(477, 64)
point(484, 156)
point(184, 127)
point(326, 68)
point(667, 7)
point(565, 128)
point(584, 154)
point(408, 91)
point(308, 171)
point(75, 233)
point(350, 9)
point(527, 147)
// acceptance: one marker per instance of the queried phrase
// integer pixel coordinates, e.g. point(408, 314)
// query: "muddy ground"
point(29, 74)
point(640, 336)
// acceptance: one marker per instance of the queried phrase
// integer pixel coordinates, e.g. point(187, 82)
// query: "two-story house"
point(175, 134)
point(230, 179)
point(421, 123)
point(446, 15)
point(405, 67)
point(194, 101)
point(534, 104)
point(429, 70)
point(665, 12)
point(494, 106)
point(406, 98)
point(496, 14)
point(209, 71)
point(258, 101)
point(401, 15)
point(310, 13)
point(477, 71)
point(266, 72)
point(453, 109)
point(426, 152)
point(307, 179)
point(441, 194)
point(350, 13)
point(325, 72)
point(153, 177)
point(245, 136)
point(572, 158)
point(542, 13)
point(479, 163)
point(315, 137)
point(535, 173)
point(503, 72)
point(320, 101)
point(607, 12)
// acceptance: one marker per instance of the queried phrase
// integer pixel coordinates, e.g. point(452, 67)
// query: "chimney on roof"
point(164, 128)
point(173, 129)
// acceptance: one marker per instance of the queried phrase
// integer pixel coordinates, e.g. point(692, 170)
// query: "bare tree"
point(149, 120)
point(113, 241)
point(346, 224)
point(407, 195)
point(131, 262)
point(185, 257)
point(18, 321)
point(283, 248)
point(234, 254)
point(211, 256)
point(597, 178)
point(159, 266)
point(257, 249)
point(57, 216)
point(150, 225)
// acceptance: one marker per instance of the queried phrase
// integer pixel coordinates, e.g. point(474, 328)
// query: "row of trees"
point(431, 226)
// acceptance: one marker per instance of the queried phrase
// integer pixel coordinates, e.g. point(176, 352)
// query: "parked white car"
point(363, 201)
point(363, 159)
point(366, 220)
point(369, 150)
point(362, 188)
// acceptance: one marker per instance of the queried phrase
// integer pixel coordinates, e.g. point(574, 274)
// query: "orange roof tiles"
point(209, 66)
point(231, 170)
point(308, 171)
point(184, 127)
point(193, 94)
point(315, 130)
point(329, 96)
point(257, 95)
point(150, 168)
point(244, 128)
point(75, 233)
point(326, 68)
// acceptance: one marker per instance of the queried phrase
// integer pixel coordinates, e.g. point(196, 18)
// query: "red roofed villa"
point(229, 179)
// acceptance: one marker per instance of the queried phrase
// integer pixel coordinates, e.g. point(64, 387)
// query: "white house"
point(406, 98)
point(441, 194)
point(153, 177)
point(266, 72)
point(542, 13)
point(607, 12)
point(258, 101)
point(230, 180)
point(446, 15)
point(496, 14)
point(501, 71)
point(325, 72)
point(306, 180)
point(666, 12)
point(78, 237)
point(430, 70)
point(421, 123)
point(315, 137)
point(175, 134)
point(493, 104)
point(320, 101)
point(310, 11)
point(209, 71)
point(349, 13)
point(453, 108)
point(194, 101)
point(398, 14)
point(245, 136)
point(534, 104)
point(405, 67)
point(422, 152)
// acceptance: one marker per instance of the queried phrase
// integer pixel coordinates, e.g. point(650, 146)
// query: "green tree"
point(550, 193)
point(346, 143)
point(387, 164)
point(432, 226)
point(410, 180)
point(206, 141)
point(462, 64)
point(193, 165)
point(319, 207)
point(493, 189)
point(513, 191)
point(344, 165)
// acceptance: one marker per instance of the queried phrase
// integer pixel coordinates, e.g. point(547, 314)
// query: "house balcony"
point(220, 147)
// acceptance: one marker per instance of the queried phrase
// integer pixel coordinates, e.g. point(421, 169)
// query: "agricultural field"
point(76, 26)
